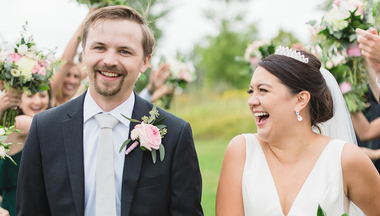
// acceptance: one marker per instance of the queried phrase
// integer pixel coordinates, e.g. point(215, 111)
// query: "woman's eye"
point(250, 91)
point(263, 90)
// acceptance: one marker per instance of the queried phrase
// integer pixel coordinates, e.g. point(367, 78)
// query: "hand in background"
point(369, 43)
point(372, 154)
point(3, 212)
point(164, 90)
point(9, 99)
point(158, 78)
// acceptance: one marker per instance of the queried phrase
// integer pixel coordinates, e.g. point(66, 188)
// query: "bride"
point(295, 161)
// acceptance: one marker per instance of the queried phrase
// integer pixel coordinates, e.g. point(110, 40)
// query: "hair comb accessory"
point(285, 51)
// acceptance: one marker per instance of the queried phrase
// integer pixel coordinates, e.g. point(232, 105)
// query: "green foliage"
point(285, 38)
point(218, 60)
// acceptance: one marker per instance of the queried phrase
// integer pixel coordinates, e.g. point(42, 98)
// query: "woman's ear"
point(303, 99)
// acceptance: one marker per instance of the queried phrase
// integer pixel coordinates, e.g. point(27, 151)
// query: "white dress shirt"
point(91, 131)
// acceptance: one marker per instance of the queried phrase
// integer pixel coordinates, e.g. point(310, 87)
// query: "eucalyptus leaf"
point(160, 126)
point(154, 157)
point(125, 143)
point(159, 121)
point(130, 119)
point(162, 152)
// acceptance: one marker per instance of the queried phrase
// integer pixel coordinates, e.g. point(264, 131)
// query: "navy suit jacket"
point(51, 178)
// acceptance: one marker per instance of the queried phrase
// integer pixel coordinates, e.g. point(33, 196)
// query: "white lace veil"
point(340, 125)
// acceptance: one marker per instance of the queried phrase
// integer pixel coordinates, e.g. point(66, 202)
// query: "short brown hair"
point(123, 13)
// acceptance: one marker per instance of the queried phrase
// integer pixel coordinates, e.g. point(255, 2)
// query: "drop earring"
point(299, 118)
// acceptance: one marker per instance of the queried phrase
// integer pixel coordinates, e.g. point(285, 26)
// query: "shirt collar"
point(91, 108)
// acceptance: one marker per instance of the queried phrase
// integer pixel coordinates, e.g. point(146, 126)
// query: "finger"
point(373, 31)
point(363, 41)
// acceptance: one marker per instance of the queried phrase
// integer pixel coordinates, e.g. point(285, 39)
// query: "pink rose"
point(44, 63)
point(15, 57)
point(345, 87)
point(42, 71)
point(354, 50)
point(337, 2)
point(36, 69)
point(149, 135)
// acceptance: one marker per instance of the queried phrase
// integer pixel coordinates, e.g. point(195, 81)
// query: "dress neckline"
point(300, 192)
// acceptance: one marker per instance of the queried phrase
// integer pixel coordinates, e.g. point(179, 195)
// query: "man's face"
point(114, 58)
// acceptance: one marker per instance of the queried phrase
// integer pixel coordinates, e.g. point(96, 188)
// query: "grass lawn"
point(215, 119)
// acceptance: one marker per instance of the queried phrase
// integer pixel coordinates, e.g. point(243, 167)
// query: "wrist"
point(150, 88)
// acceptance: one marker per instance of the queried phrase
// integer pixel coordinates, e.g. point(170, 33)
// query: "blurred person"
point(290, 166)
point(59, 163)
point(67, 80)
point(29, 106)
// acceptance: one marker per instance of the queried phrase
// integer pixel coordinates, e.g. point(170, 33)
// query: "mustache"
point(113, 69)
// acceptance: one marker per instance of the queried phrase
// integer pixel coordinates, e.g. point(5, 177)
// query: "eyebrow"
point(261, 84)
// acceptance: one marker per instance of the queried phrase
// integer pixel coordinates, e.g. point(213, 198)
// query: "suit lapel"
point(132, 162)
point(72, 128)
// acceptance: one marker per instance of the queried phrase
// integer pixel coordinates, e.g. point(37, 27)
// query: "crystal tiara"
point(285, 51)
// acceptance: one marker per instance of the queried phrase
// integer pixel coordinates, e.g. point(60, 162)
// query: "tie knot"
point(106, 121)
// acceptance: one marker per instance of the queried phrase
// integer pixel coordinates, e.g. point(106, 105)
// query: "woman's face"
point(71, 82)
point(33, 104)
point(271, 103)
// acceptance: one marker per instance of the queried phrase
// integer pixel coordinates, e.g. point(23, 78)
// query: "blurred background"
point(212, 34)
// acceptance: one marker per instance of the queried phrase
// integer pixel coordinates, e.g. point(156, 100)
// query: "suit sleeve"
point(186, 182)
point(31, 193)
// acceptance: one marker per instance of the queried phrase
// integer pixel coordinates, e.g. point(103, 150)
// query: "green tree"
point(219, 63)
point(285, 38)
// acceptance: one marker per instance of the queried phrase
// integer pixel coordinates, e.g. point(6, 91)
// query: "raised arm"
point(364, 129)
point(229, 196)
point(68, 56)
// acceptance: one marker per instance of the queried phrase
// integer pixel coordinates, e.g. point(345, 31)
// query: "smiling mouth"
point(262, 116)
point(109, 74)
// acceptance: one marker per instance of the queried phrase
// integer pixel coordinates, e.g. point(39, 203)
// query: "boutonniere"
point(147, 134)
point(5, 147)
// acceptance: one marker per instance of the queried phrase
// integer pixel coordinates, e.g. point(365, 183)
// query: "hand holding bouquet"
point(25, 69)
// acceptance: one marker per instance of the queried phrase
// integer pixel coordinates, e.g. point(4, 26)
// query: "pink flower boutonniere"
point(148, 134)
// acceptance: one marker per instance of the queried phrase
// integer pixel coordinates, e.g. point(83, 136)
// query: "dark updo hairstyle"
point(299, 76)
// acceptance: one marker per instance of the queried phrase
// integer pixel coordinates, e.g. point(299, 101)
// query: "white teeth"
point(261, 113)
point(109, 74)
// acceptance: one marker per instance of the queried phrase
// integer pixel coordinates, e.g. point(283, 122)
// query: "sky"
point(53, 22)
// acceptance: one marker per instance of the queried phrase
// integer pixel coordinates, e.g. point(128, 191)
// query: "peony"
point(36, 68)
point(2, 151)
point(42, 71)
point(30, 55)
point(2, 131)
point(345, 87)
point(25, 66)
point(15, 73)
point(335, 19)
point(33, 48)
point(15, 57)
point(43, 63)
point(329, 64)
point(149, 135)
point(22, 49)
point(338, 59)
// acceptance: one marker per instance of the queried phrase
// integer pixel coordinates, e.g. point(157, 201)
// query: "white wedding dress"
point(323, 186)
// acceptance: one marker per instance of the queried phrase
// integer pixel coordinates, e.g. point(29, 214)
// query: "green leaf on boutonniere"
point(130, 119)
point(154, 157)
point(160, 126)
point(125, 143)
point(159, 121)
point(162, 152)
point(320, 211)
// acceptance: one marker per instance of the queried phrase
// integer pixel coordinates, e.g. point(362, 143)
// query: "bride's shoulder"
point(237, 146)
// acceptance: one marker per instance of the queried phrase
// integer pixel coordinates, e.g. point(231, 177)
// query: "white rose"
point(134, 134)
point(2, 151)
point(33, 48)
point(329, 64)
point(2, 131)
point(15, 72)
point(3, 55)
point(30, 55)
point(25, 66)
point(51, 57)
point(175, 67)
point(22, 49)
point(337, 60)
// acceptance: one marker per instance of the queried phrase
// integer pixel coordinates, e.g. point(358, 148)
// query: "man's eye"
point(124, 52)
point(99, 48)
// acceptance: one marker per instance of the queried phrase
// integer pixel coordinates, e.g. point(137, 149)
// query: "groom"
point(59, 162)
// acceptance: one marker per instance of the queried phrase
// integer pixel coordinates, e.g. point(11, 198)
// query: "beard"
point(106, 88)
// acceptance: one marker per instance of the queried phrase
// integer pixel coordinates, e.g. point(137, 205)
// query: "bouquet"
point(101, 3)
point(321, 212)
point(25, 69)
point(182, 73)
point(258, 50)
point(5, 147)
point(340, 52)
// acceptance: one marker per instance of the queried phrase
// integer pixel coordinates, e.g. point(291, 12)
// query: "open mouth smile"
point(262, 117)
